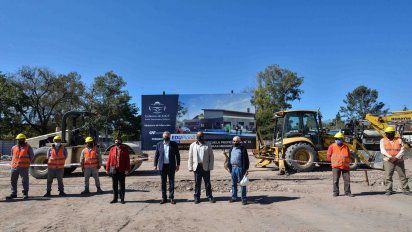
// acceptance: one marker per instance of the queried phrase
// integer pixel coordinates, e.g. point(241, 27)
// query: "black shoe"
point(212, 200)
point(62, 194)
point(48, 194)
point(388, 193)
point(244, 202)
point(86, 191)
point(12, 196)
point(25, 197)
point(172, 201)
point(99, 191)
point(407, 193)
point(349, 194)
point(123, 202)
point(163, 201)
point(113, 201)
point(232, 200)
point(335, 194)
point(197, 201)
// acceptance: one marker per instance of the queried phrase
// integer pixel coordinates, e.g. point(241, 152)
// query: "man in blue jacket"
point(167, 161)
point(238, 166)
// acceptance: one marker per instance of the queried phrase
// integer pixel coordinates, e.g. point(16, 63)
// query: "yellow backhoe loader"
point(300, 142)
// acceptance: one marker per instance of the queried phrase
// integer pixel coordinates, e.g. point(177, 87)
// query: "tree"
point(405, 108)
point(116, 115)
point(40, 97)
point(338, 122)
point(181, 109)
point(360, 102)
point(277, 88)
point(9, 121)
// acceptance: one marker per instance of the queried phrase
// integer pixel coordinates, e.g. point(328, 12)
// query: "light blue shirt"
point(166, 148)
point(236, 156)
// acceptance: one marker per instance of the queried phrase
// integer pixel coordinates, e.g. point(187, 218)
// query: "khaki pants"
point(390, 168)
point(94, 172)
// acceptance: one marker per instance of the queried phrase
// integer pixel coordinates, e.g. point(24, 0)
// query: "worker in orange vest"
point(90, 161)
point(20, 163)
point(56, 156)
point(392, 150)
point(339, 155)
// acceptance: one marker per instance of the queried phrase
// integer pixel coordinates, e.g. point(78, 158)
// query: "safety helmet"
point(339, 135)
point(389, 129)
point(57, 137)
point(20, 136)
point(89, 139)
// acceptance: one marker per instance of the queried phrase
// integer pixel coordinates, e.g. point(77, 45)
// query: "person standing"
point(56, 156)
point(90, 161)
point(20, 164)
point(167, 161)
point(392, 149)
point(339, 155)
point(200, 162)
point(238, 166)
point(118, 166)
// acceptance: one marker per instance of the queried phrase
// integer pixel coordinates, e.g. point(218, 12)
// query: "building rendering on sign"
point(222, 120)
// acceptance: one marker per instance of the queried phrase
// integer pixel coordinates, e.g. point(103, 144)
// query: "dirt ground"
point(298, 202)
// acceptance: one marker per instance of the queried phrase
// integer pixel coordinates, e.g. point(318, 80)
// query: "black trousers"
point(199, 174)
point(119, 178)
point(166, 172)
point(346, 180)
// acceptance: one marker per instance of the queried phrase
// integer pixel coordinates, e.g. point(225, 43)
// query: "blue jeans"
point(237, 175)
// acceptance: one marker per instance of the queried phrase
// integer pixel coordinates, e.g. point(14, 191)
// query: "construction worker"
point(392, 150)
point(20, 163)
point(56, 156)
point(90, 161)
point(339, 155)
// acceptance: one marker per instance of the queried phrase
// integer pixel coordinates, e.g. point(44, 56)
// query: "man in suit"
point(200, 162)
point(167, 161)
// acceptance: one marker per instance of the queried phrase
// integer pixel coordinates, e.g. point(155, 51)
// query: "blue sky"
point(217, 46)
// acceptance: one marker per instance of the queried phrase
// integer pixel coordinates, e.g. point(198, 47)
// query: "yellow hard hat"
point(20, 136)
point(389, 129)
point(57, 137)
point(89, 139)
point(339, 135)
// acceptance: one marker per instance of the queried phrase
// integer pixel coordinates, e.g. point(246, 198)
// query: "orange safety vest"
point(21, 157)
point(340, 157)
point(90, 158)
point(56, 161)
point(393, 148)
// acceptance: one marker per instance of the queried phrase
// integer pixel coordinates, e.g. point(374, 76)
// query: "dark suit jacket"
point(174, 155)
point(245, 159)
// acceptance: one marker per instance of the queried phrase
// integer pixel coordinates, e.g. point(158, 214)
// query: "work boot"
point(48, 194)
point(163, 201)
point(335, 194)
point(349, 194)
point(12, 196)
point(86, 191)
point(212, 200)
point(122, 201)
point(388, 193)
point(197, 201)
point(99, 190)
point(244, 202)
point(113, 201)
point(232, 200)
point(25, 196)
point(407, 193)
point(172, 201)
point(62, 194)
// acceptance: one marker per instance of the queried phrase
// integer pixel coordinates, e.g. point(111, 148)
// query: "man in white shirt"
point(200, 162)
point(392, 149)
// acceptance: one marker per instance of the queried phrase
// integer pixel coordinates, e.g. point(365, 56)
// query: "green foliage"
point(361, 101)
point(39, 97)
point(116, 115)
point(277, 88)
